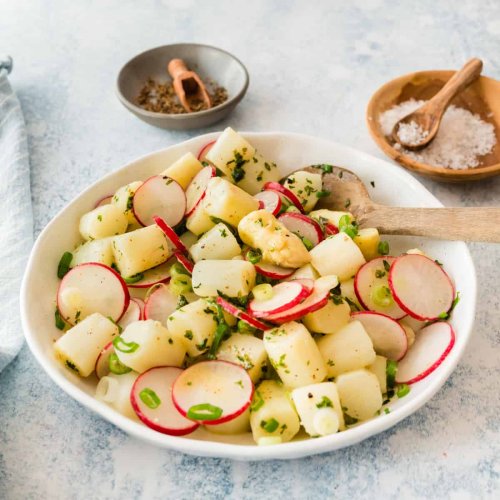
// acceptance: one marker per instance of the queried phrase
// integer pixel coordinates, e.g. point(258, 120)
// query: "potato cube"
point(294, 355)
point(184, 170)
point(257, 172)
point(228, 202)
point(79, 348)
point(306, 186)
point(337, 255)
point(103, 221)
point(94, 251)
point(329, 319)
point(272, 414)
point(307, 271)
point(367, 240)
point(199, 221)
point(140, 250)
point(319, 409)
point(331, 216)
point(347, 291)
point(216, 244)
point(348, 349)
point(234, 278)
point(360, 394)
point(146, 344)
point(379, 368)
point(123, 200)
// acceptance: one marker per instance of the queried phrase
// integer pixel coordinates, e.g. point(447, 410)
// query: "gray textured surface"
point(313, 67)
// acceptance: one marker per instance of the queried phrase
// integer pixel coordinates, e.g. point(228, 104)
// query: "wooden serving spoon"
point(348, 193)
point(428, 117)
point(188, 85)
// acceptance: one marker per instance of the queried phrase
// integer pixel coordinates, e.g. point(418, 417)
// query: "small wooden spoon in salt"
point(347, 192)
point(419, 128)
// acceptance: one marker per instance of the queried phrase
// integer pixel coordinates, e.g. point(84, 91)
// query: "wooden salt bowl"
point(482, 97)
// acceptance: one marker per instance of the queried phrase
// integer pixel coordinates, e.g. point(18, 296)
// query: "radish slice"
point(188, 265)
point(421, 287)
point(89, 288)
point(154, 276)
point(315, 301)
point(371, 279)
point(285, 296)
point(243, 315)
point(276, 186)
point(303, 226)
point(388, 336)
point(213, 392)
point(270, 270)
point(141, 305)
point(170, 234)
point(151, 398)
point(104, 201)
point(161, 196)
point(331, 229)
point(160, 304)
point(270, 201)
point(204, 151)
point(132, 314)
point(197, 188)
point(433, 343)
point(102, 362)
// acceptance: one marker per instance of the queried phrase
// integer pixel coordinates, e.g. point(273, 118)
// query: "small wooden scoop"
point(427, 118)
point(348, 193)
point(188, 86)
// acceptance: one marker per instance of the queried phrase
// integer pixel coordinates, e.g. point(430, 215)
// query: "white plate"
point(393, 187)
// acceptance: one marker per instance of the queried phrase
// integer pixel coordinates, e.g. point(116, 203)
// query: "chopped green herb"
point(254, 256)
point(257, 402)
point(71, 366)
point(64, 263)
point(188, 334)
point(387, 266)
point(387, 411)
point(181, 301)
point(354, 307)
point(223, 233)
point(325, 403)
point(347, 226)
point(99, 218)
point(350, 420)
point(150, 398)
point(134, 279)
point(269, 425)
point(438, 263)
point(383, 248)
point(323, 194)
point(391, 369)
point(60, 324)
point(245, 328)
point(347, 203)
point(372, 183)
point(379, 273)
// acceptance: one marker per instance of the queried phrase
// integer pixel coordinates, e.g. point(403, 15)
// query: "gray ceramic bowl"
point(209, 62)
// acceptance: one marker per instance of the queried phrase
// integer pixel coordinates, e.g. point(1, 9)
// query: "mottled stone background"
point(313, 67)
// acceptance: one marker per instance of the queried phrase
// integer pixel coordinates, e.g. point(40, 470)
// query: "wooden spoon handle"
point(467, 224)
point(458, 82)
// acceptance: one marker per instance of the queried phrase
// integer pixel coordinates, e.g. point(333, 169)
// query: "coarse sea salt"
point(462, 137)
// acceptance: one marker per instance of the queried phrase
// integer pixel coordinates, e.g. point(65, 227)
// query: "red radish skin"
point(188, 265)
point(141, 305)
point(99, 275)
point(240, 314)
point(285, 296)
point(331, 229)
point(276, 186)
point(106, 200)
point(154, 276)
point(170, 234)
point(161, 196)
point(165, 418)
point(204, 151)
point(160, 304)
point(315, 301)
point(102, 362)
point(132, 314)
point(388, 336)
point(365, 281)
point(219, 383)
point(197, 188)
point(270, 201)
point(303, 226)
point(421, 287)
point(432, 345)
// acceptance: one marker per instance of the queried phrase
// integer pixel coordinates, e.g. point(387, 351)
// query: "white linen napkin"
point(16, 218)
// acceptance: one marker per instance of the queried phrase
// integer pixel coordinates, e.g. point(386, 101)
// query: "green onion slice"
point(258, 401)
point(116, 366)
point(204, 411)
point(254, 256)
point(269, 425)
point(150, 398)
point(402, 390)
point(64, 263)
point(383, 248)
point(391, 370)
point(60, 324)
point(123, 346)
point(130, 280)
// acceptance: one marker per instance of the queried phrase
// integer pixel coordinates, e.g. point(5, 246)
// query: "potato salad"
point(218, 294)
